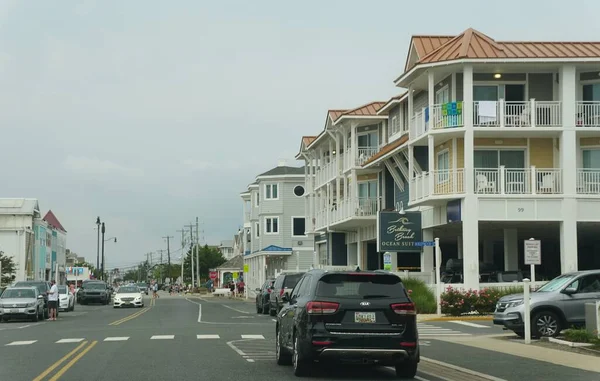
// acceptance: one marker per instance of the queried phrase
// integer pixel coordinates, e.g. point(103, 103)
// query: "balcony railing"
point(518, 180)
point(447, 115)
point(437, 183)
point(530, 113)
point(588, 181)
point(346, 208)
point(364, 153)
point(587, 114)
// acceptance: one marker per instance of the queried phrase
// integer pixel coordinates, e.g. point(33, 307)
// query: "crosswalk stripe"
point(29, 342)
point(253, 337)
point(207, 337)
point(62, 341)
point(162, 337)
point(469, 324)
point(122, 338)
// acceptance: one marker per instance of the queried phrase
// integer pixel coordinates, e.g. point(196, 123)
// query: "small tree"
point(9, 268)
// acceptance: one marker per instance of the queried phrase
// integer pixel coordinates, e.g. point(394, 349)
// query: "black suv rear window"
point(360, 286)
point(291, 280)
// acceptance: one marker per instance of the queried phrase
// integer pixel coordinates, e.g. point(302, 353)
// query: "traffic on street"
point(184, 336)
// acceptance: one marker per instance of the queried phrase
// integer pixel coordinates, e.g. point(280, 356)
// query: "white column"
point(359, 250)
point(410, 102)
point(384, 133)
point(470, 242)
point(568, 237)
point(511, 250)
point(338, 166)
point(430, 91)
point(431, 160)
point(353, 146)
point(568, 153)
point(488, 251)
point(427, 256)
point(459, 244)
point(468, 121)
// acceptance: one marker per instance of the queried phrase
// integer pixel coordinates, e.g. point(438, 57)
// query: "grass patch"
point(421, 295)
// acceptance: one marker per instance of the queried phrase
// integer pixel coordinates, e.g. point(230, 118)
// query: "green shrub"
point(421, 295)
point(581, 335)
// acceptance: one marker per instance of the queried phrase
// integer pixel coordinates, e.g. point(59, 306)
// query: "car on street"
point(263, 299)
point(22, 303)
point(43, 287)
point(283, 283)
point(128, 296)
point(93, 292)
point(66, 300)
point(557, 305)
point(359, 317)
point(143, 287)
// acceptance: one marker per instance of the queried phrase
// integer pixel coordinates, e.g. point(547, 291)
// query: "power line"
point(168, 253)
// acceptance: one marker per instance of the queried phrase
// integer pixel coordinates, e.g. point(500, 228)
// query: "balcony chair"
point(485, 186)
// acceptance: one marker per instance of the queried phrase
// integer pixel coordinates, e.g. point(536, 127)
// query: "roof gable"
point(51, 219)
point(420, 46)
point(370, 109)
point(469, 44)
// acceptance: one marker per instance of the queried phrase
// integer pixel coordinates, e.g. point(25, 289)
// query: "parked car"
point(262, 296)
point(283, 283)
point(364, 317)
point(66, 300)
point(143, 287)
point(93, 292)
point(557, 305)
point(22, 302)
point(42, 286)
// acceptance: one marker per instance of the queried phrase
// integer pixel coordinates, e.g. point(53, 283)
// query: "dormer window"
point(271, 192)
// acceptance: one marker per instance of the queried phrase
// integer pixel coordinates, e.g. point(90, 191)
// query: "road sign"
point(425, 243)
point(246, 268)
point(387, 261)
point(235, 275)
point(213, 275)
point(533, 252)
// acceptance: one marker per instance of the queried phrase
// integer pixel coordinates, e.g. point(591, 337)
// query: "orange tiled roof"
point(308, 139)
point(387, 149)
point(334, 114)
point(425, 45)
point(370, 109)
point(472, 44)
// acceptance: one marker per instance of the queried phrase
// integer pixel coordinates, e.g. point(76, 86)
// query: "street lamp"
point(98, 245)
point(114, 239)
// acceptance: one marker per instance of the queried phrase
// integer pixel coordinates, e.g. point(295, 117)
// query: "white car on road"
point(66, 299)
point(128, 296)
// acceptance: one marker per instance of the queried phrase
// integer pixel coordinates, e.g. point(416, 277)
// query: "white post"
point(532, 277)
point(527, 312)
point(192, 262)
point(438, 276)
point(0, 273)
point(298, 260)
point(56, 271)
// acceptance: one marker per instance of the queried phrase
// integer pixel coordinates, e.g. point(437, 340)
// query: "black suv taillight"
point(404, 308)
point(322, 308)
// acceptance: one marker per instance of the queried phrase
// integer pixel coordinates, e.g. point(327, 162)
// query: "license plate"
point(22, 310)
point(364, 317)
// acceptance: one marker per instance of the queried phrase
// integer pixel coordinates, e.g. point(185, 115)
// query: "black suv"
point(364, 317)
point(93, 292)
point(43, 287)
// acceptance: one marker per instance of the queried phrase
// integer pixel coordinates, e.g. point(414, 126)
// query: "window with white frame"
point(442, 95)
point(395, 125)
point(271, 225)
point(298, 226)
point(443, 166)
point(257, 229)
point(256, 199)
point(271, 192)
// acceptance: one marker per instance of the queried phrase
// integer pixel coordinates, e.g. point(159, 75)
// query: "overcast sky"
point(150, 113)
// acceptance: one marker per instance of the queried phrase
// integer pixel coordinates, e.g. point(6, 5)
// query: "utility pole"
point(192, 251)
point(103, 231)
point(168, 256)
point(197, 254)
point(182, 231)
point(98, 245)
point(161, 266)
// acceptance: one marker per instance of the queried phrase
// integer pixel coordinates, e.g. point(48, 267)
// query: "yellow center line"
point(73, 361)
point(57, 364)
point(130, 317)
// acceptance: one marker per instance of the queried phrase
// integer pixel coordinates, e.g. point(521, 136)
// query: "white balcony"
point(351, 211)
point(530, 113)
point(587, 114)
point(588, 181)
point(437, 183)
point(364, 153)
point(518, 180)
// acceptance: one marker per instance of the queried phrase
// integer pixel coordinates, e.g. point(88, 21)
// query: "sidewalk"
point(435, 317)
point(534, 352)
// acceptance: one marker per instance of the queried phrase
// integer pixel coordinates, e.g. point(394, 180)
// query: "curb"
point(460, 318)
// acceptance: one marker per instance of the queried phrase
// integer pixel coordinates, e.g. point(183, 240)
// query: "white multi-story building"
point(494, 143)
point(226, 249)
point(17, 238)
point(275, 236)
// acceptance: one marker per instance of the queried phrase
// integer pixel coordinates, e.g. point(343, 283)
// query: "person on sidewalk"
point(53, 301)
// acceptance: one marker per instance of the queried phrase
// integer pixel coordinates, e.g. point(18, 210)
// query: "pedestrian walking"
point(53, 301)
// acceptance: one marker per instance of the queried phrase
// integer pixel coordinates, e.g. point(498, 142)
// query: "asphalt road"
point(180, 338)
